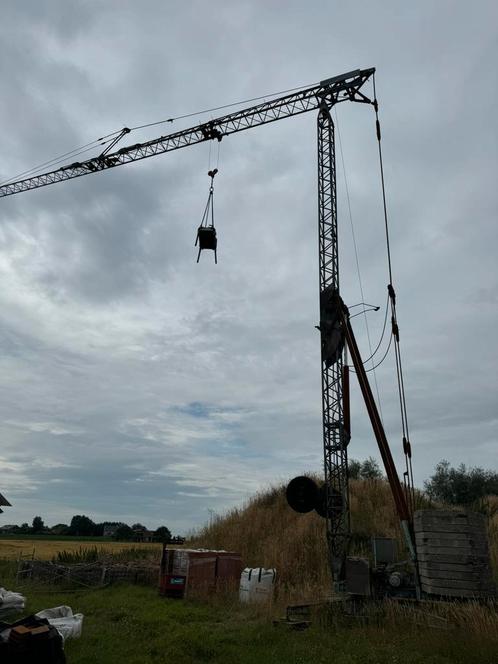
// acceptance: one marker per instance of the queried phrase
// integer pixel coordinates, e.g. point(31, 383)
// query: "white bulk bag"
point(11, 602)
point(256, 584)
point(68, 625)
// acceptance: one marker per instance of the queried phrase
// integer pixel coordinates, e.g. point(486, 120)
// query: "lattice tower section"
point(334, 437)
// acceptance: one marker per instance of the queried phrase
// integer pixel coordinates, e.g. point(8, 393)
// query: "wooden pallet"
point(453, 554)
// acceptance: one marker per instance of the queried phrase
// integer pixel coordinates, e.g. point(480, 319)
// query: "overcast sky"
point(137, 385)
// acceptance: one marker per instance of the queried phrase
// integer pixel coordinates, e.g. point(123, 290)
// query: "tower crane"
point(335, 328)
point(448, 549)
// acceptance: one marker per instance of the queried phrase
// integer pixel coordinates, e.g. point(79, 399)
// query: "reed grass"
point(94, 554)
point(267, 533)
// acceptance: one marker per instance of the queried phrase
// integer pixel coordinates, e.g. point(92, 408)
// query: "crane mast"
point(335, 436)
point(321, 97)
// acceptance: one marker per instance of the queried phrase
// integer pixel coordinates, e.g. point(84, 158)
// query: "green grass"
point(133, 624)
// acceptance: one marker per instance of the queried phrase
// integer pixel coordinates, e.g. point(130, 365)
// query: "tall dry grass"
point(11, 549)
point(266, 532)
point(492, 512)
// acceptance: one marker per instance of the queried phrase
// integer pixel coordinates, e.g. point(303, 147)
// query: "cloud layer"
point(137, 385)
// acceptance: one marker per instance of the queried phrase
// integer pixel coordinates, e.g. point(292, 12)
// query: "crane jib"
point(330, 91)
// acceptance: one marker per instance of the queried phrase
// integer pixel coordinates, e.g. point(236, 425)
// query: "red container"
point(202, 570)
point(172, 585)
point(228, 568)
point(199, 567)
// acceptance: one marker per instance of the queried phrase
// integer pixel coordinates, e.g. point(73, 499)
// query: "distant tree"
point(124, 533)
point(462, 485)
point(38, 526)
point(354, 468)
point(24, 529)
point(98, 529)
point(81, 526)
point(139, 531)
point(60, 529)
point(162, 534)
point(364, 470)
point(110, 527)
point(370, 470)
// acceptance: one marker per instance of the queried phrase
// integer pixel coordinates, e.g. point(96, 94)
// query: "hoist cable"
point(382, 335)
point(212, 206)
point(218, 156)
point(383, 357)
point(219, 108)
point(381, 163)
point(394, 322)
point(211, 155)
point(210, 203)
point(380, 361)
point(356, 255)
point(205, 215)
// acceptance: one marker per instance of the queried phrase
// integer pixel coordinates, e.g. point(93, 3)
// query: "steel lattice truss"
point(335, 439)
point(332, 91)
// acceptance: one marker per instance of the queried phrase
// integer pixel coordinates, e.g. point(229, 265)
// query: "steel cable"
point(395, 330)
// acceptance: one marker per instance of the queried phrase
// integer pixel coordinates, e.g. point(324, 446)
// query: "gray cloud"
point(137, 385)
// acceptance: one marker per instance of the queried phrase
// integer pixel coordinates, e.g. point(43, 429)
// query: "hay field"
point(10, 549)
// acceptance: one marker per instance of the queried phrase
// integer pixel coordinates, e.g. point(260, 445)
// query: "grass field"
point(133, 624)
point(46, 549)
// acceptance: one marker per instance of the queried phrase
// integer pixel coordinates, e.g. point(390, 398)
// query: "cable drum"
point(301, 494)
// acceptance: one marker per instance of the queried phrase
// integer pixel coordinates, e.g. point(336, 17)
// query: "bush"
point(462, 485)
point(162, 534)
point(364, 470)
point(124, 534)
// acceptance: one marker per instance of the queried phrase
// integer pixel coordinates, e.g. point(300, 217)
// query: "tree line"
point(82, 526)
point(464, 486)
point(461, 485)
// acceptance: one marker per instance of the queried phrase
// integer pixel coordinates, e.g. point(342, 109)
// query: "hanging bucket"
point(207, 237)
point(206, 233)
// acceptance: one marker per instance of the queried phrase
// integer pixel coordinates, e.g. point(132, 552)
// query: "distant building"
point(140, 535)
point(110, 530)
point(7, 528)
